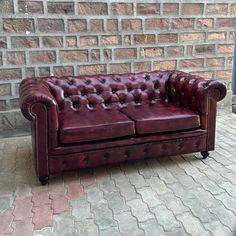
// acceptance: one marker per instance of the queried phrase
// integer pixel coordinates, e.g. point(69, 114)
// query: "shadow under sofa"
point(91, 120)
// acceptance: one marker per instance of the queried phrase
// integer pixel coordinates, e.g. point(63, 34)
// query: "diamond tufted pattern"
point(107, 91)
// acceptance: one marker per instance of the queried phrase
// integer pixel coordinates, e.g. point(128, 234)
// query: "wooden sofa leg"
point(205, 154)
point(44, 180)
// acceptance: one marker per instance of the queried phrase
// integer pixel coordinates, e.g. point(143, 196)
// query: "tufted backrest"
point(107, 91)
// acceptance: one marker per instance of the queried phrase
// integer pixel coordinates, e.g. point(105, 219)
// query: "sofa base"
point(117, 155)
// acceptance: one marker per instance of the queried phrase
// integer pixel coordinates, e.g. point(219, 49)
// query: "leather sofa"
point(86, 121)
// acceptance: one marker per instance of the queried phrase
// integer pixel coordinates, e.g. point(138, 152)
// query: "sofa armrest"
point(34, 91)
point(194, 91)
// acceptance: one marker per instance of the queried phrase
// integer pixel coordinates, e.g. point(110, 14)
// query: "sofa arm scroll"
point(34, 91)
point(194, 91)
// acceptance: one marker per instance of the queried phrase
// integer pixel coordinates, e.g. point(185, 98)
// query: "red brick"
point(22, 209)
point(41, 198)
point(167, 38)
point(216, 36)
point(205, 49)
point(189, 50)
point(215, 62)
point(50, 25)
point(188, 63)
point(131, 24)
point(74, 55)
point(230, 61)
point(3, 42)
point(88, 40)
point(144, 38)
point(16, 58)
point(52, 41)
point(221, 9)
point(165, 65)
point(118, 68)
point(225, 48)
point(224, 74)
point(170, 8)
point(192, 8)
point(63, 70)
point(95, 55)
point(23, 227)
point(61, 7)
point(32, 7)
point(59, 203)
point(142, 66)
point(42, 57)
point(44, 71)
point(186, 23)
point(6, 7)
point(127, 39)
point(233, 9)
point(151, 52)
point(204, 74)
point(42, 217)
point(14, 103)
point(122, 8)
point(77, 26)
point(192, 37)
point(205, 23)
point(112, 25)
point(18, 25)
point(111, 40)
point(175, 51)
point(90, 8)
point(6, 218)
point(74, 189)
point(29, 72)
point(91, 69)
point(24, 42)
point(225, 22)
point(71, 41)
point(5, 90)
point(96, 25)
point(148, 8)
point(231, 36)
point(10, 74)
point(125, 53)
point(151, 24)
point(107, 54)
point(3, 105)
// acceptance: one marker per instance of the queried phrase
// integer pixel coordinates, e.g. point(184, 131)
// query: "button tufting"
point(70, 82)
point(98, 93)
point(102, 80)
point(118, 79)
point(90, 105)
point(132, 78)
point(147, 77)
point(129, 89)
point(143, 88)
point(113, 91)
point(74, 105)
point(87, 82)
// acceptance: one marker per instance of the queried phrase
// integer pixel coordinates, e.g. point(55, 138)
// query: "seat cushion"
point(161, 117)
point(81, 126)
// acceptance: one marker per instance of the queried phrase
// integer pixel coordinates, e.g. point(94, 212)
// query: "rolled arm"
point(34, 91)
point(193, 91)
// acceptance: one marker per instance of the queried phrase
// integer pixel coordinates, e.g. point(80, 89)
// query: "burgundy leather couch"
point(86, 121)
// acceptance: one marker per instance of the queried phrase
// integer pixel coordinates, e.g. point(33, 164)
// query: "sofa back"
point(106, 91)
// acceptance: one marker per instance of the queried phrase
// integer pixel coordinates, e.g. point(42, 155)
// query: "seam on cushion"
point(135, 122)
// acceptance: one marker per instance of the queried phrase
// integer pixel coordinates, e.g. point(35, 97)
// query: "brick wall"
point(71, 37)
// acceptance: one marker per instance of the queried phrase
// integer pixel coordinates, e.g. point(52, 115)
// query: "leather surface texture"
point(89, 120)
point(161, 117)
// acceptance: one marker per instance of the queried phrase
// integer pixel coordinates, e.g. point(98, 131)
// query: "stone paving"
point(173, 196)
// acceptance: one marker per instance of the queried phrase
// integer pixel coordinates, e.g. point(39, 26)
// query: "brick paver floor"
point(177, 195)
